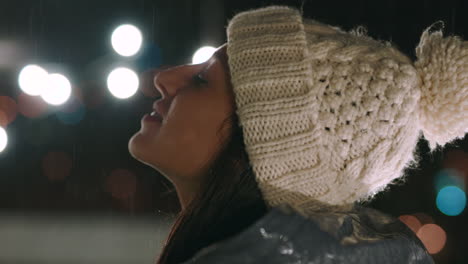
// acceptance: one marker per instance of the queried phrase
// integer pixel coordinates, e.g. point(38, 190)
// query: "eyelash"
point(198, 79)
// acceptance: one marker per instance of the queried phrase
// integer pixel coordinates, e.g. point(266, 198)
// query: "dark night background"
point(54, 166)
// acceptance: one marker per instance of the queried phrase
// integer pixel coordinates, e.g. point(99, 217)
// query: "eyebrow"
point(219, 56)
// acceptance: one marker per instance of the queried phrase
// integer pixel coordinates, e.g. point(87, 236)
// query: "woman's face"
point(185, 142)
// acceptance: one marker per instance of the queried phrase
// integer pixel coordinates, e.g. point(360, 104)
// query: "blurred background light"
point(3, 139)
point(31, 106)
point(126, 40)
point(8, 110)
point(451, 200)
point(433, 237)
point(202, 54)
point(458, 160)
point(101, 238)
point(411, 221)
point(121, 184)
point(449, 177)
point(11, 51)
point(58, 89)
point(3, 118)
point(56, 165)
point(122, 83)
point(32, 79)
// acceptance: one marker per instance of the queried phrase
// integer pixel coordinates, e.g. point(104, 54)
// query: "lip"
point(156, 118)
point(159, 108)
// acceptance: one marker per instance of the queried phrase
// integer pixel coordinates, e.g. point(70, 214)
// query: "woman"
point(273, 142)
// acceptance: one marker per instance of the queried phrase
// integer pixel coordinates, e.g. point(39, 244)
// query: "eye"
point(199, 80)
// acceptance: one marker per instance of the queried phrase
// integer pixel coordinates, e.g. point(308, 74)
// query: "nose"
point(158, 81)
point(147, 84)
point(167, 81)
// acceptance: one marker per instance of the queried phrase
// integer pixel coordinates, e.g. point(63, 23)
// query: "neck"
point(186, 192)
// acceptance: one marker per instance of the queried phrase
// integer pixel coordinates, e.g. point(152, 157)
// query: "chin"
point(136, 147)
point(140, 149)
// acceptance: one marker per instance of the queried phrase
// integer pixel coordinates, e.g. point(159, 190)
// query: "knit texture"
point(329, 117)
point(443, 65)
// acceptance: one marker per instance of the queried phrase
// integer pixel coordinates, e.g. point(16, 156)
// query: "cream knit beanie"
point(332, 117)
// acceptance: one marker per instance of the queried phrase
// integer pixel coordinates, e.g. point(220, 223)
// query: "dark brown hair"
point(228, 202)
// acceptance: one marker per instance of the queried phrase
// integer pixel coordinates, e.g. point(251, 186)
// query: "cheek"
point(192, 134)
point(188, 135)
point(188, 139)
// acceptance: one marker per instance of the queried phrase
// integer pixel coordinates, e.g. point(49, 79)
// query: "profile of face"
point(196, 99)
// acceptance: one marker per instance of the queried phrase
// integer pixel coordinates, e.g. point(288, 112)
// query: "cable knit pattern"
point(329, 117)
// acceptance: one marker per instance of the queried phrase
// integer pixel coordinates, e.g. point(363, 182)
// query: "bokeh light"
point(31, 106)
point(8, 110)
point(451, 200)
point(126, 40)
point(56, 165)
point(433, 237)
point(32, 79)
point(3, 119)
point(203, 54)
point(3, 139)
point(121, 183)
point(58, 89)
point(411, 221)
point(457, 159)
point(122, 83)
point(448, 177)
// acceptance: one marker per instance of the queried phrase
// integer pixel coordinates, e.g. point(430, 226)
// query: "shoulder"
point(363, 235)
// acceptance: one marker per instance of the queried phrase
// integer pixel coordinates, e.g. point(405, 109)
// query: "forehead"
point(221, 55)
point(221, 50)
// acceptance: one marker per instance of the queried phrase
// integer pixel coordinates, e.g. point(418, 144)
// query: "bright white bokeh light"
point(32, 79)
point(126, 40)
point(122, 83)
point(3, 139)
point(58, 89)
point(203, 54)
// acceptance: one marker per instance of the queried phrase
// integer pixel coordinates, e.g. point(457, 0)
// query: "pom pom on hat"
point(443, 66)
